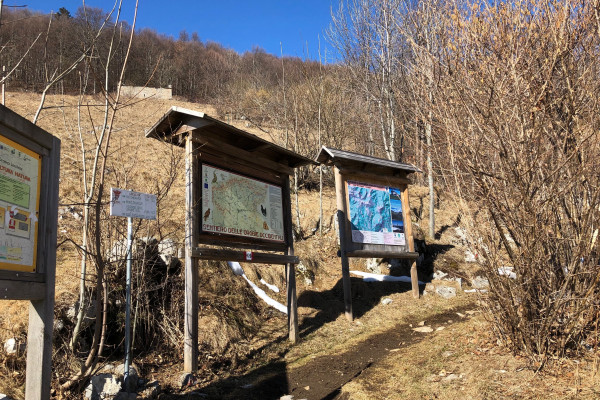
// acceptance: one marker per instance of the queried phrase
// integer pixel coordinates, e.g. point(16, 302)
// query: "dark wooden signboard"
point(373, 211)
point(238, 205)
point(29, 176)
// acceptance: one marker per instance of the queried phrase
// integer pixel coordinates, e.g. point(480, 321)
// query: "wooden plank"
point(22, 276)
point(41, 312)
point(239, 242)
point(342, 212)
point(25, 128)
point(221, 160)
point(22, 290)
point(209, 140)
point(205, 253)
point(382, 254)
point(414, 278)
point(292, 301)
point(365, 177)
point(190, 343)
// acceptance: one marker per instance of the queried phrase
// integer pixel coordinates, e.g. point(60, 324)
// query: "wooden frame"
point(211, 142)
point(38, 286)
point(353, 167)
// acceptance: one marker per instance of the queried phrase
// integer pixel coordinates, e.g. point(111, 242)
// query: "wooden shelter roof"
point(348, 159)
point(171, 127)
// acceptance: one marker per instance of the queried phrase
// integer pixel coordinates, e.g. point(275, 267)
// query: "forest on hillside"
point(497, 102)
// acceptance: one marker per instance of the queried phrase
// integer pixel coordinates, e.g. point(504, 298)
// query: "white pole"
point(128, 304)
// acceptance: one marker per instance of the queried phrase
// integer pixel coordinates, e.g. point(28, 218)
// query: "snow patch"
point(369, 277)
point(238, 270)
point(273, 288)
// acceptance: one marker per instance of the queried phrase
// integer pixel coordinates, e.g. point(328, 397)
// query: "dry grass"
point(239, 335)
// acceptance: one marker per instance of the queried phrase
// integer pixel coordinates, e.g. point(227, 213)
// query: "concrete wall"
point(143, 92)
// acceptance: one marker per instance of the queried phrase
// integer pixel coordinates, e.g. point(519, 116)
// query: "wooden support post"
point(414, 278)
point(340, 192)
point(41, 312)
point(292, 301)
point(190, 344)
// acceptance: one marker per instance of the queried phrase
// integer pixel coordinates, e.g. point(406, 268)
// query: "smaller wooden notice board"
point(373, 210)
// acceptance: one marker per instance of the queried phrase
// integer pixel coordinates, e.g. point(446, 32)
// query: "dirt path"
point(324, 377)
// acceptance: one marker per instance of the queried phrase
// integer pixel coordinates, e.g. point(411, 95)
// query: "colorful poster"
point(20, 171)
point(236, 205)
point(376, 214)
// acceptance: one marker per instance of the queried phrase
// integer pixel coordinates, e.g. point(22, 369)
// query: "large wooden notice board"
point(29, 178)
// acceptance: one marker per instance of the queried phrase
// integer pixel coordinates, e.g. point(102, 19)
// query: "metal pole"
point(128, 304)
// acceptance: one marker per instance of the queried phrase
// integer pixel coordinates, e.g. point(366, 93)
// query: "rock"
point(125, 396)
point(132, 381)
point(287, 397)
point(480, 283)
point(102, 386)
point(13, 348)
point(423, 329)
point(386, 301)
point(470, 257)
point(451, 377)
point(187, 379)
point(447, 354)
point(439, 275)
point(446, 292)
point(440, 328)
point(306, 273)
point(373, 265)
point(151, 391)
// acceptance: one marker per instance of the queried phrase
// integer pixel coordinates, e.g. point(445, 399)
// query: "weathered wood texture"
point(342, 212)
point(292, 301)
point(242, 256)
point(190, 341)
point(41, 311)
point(411, 242)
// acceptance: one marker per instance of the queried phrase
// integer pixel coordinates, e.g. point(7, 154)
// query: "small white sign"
point(126, 203)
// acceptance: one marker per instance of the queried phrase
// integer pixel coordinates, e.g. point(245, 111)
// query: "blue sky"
point(239, 25)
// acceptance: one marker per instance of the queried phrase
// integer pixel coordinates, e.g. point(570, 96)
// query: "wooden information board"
point(238, 205)
point(29, 178)
point(373, 211)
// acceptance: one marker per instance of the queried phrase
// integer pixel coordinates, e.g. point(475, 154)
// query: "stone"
point(102, 386)
point(451, 377)
point(373, 265)
point(287, 397)
point(446, 292)
point(151, 391)
point(386, 301)
point(470, 257)
point(187, 379)
point(439, 275)
point(13, 348)
point(480, 283)
point(125, 396)
point(423, 329)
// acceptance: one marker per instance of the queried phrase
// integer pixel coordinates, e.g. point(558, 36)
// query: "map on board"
point(19, 206)
point(376, 214)
point(237, 205)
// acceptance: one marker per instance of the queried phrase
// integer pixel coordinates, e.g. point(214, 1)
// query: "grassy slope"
point(409, 371)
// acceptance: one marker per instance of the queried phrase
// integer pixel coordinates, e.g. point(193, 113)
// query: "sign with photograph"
point(20, 170)
point(376, 214)
point(237, 205)
point(126, 203)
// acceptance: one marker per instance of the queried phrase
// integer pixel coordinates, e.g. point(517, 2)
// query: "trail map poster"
point(20, 171)
point(376, 214)
point(236, 205)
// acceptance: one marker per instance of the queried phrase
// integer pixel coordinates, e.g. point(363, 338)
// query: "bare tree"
point(519, 98)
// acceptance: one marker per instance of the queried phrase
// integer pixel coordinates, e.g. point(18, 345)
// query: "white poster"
point(127, 203)
point(237, 205)
point(20, 170)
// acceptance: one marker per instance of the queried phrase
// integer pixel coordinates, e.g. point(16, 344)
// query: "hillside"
point(244, 347)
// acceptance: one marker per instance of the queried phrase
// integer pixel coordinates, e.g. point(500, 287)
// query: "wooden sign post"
point(29, 176)
point(237, 198)
point(373, 211)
